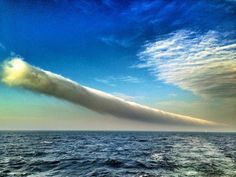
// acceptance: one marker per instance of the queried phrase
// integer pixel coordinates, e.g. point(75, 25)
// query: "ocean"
point(111, 154)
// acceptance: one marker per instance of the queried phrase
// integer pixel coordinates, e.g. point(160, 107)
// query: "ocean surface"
point(140, 154)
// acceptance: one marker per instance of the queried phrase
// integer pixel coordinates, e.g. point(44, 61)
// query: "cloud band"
point(16, 72)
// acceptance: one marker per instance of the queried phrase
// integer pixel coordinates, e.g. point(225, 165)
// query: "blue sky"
point(105, 45)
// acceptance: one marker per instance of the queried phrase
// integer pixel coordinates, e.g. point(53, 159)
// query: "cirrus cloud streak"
point(202, 63)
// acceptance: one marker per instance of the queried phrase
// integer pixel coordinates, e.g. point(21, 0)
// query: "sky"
point(177, 56)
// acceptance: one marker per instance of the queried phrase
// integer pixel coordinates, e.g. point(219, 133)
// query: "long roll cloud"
point(18, 73)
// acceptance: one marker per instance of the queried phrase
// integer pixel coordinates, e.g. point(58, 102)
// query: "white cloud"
point(113, 80)
point(105, 81)
point(204, 64)
point(129, 79)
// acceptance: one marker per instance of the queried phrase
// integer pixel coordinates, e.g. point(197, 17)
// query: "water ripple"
point(136, 154)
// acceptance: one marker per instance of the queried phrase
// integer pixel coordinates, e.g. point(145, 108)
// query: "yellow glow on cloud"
point(14, 71)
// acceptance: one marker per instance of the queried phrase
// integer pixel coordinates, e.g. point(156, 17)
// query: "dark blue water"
point(117, 154)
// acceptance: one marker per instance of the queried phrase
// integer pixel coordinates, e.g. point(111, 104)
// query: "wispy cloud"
point(2, 46)
point(202, 63)
point(130, 79)
point(105, 81)
point(172, 95)
point(112, 80)
point(112, 40)
point(128, 97)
